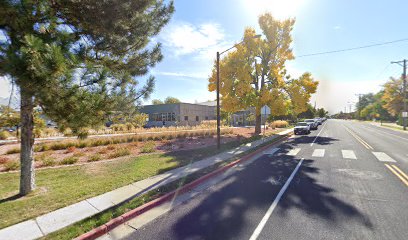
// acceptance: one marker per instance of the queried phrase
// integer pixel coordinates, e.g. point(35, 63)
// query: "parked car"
point(313, 123)
point(319, 121)
point(302, 128)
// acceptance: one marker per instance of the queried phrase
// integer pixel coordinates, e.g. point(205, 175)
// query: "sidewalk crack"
point(38, 225)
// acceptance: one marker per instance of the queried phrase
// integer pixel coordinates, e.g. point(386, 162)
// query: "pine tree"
point(78, 60)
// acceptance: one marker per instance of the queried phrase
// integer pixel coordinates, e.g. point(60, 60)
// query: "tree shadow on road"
point(312, 139)
point(233, 208)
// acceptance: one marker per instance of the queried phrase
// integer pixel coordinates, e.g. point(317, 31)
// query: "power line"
point(383, 71)
point(354, 48)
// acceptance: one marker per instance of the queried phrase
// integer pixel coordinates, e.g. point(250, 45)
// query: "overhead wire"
point(353, 48)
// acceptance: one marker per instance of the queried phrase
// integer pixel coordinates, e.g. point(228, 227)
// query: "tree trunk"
point(27, 176)
point(258, 120)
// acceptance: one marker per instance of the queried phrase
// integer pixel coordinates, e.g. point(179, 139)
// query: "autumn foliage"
point(254, 74)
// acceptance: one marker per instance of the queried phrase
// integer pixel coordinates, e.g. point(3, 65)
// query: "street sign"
point(265, 110)
point(404, 114)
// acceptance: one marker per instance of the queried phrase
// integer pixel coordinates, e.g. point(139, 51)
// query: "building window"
point(163, 117)
point(206, 118)
point(185, 118)
point(197, 118)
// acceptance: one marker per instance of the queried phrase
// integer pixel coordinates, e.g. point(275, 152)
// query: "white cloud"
point(184, 38)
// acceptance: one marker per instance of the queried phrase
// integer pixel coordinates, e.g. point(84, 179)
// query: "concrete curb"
point(101, 230)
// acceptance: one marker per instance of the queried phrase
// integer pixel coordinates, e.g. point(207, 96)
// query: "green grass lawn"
point(86, 225)
point(60, 187)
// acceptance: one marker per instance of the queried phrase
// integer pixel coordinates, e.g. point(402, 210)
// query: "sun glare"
point(280, 9)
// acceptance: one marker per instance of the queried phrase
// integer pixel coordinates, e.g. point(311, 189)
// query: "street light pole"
point(404, 89)
point(218, 103)
point(404, 92)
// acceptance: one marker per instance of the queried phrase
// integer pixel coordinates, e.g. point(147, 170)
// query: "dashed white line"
point(293, 152)
point(270, 151)
point(314, 140)
point(349, 154)
point(318, 153)
point(275, 202)
point(383, 157)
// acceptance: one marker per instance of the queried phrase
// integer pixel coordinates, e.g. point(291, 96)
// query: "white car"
point(302, 128)
point(313, 123)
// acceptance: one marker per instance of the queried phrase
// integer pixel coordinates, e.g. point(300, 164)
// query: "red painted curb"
point(101, 230)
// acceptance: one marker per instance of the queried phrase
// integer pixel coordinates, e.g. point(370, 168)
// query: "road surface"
point(346, 180)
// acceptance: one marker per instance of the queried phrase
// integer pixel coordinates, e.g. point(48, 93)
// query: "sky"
point(200, 28)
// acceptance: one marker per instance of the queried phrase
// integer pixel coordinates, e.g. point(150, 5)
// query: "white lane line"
point(293, 152)
point(275, 202)
point(383, 157)
point(314, 140)
point(270, 151)
point(348, 154)
point(318, 153)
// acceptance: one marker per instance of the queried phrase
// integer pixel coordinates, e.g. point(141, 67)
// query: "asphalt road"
point(347, 183)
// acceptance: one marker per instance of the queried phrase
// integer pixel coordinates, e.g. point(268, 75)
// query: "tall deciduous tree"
point(393, 96)
point(77, 59)
point(157, 102)
point(254, 74)
point(170, 100)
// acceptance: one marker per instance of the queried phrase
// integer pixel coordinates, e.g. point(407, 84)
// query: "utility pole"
point(218, 103)
point(359, 105)
point(404, 113)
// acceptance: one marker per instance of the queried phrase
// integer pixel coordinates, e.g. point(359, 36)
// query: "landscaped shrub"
point(11, 165)
point(83, 144)
point(48, 161)
point(71, 149)
point(67, 132)
point(13, 150)
point(78, 154)
point(148, 147)
point(279, 124)
point(118, 127)
point(4, 135)
point(41, 157)
point(119, 153)
point(4, 160)
point(69, 160)
point(103, 151)
point(50, 132)
point(38, 133)
point(111, 147)
point(95, 157)
point(129, 126)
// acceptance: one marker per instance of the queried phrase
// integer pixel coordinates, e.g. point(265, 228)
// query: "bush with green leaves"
point(69, 160)
point(4, 135)
point(120, 152)
point(95, 157)
point(13, 150)
point(148, 147)
point(11, 165)
point(48, 161)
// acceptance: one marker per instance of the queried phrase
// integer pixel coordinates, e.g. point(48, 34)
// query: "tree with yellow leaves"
point(254, 75)
point(393, 96)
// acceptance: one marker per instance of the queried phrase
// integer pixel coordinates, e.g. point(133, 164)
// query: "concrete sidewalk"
point(391, 126)
point(58, 219)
